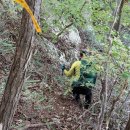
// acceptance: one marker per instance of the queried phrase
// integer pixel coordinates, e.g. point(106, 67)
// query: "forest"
point(64, 65)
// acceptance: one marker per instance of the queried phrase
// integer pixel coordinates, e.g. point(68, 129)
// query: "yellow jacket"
point(74, 71)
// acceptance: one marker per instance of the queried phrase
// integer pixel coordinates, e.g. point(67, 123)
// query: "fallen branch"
point(34, 126)
point(39, 125)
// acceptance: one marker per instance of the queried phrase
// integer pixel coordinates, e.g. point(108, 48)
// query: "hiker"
point(83, 79)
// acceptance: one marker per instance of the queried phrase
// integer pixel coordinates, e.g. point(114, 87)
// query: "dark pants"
point(85, 91)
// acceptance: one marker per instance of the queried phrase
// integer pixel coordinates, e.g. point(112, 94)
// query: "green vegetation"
point(106, 23)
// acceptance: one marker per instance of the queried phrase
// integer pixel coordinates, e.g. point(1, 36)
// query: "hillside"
point(45, 100)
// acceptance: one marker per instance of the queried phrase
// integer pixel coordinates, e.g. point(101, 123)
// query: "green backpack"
point(87, 77)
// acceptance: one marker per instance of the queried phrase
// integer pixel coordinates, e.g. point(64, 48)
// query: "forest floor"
point(53, 111)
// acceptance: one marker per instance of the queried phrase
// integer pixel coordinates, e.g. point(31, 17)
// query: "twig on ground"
point(35, 126)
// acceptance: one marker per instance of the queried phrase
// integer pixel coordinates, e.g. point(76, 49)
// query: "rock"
point(56, 120)
point(51, 50)
point(65, 129)
point(74, 36)
point(69, 119)
point(44, 129)
point(0, 126)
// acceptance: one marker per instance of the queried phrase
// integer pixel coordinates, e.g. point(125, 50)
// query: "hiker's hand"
point(63, 67)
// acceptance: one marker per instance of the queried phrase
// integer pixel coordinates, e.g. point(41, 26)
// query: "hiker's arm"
point(70, 73)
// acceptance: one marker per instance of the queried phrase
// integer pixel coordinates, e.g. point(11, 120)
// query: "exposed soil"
point(56, 112)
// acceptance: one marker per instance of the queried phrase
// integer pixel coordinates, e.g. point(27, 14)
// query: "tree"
point(62, 15)
point(119, 12)
point(128, 125)
point(23, 54)
point(111, 65)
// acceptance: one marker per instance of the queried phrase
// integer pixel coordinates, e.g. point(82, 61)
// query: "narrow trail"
point(56, 112)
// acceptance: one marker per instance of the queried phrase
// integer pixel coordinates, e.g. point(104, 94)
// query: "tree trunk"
point(18, 71)
point(119, 12)
point(128, 125)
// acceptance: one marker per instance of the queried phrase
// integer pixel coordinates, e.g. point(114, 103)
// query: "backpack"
point(87, 77)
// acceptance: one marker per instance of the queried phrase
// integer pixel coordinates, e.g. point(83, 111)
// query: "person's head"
point(84, 53)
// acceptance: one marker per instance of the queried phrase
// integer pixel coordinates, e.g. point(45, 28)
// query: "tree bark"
point(1, 2)
point(119, 12)
point(18, 70)
point(128, 125)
